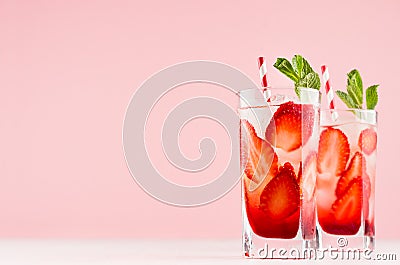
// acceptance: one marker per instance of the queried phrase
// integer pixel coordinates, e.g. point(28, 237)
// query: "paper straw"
point(329, 91)
point(263, 71)
point(262, 65)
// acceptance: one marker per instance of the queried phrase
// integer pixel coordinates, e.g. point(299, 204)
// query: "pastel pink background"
point(69, 68)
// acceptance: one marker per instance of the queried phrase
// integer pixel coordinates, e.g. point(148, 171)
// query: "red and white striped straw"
point(328, 90)
point(262, 66)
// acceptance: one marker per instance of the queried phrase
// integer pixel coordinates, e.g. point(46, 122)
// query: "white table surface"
point(136, 251)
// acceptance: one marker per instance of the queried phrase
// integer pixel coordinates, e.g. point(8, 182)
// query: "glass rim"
point(276, 88)
point(255, 97)
point(348, 110)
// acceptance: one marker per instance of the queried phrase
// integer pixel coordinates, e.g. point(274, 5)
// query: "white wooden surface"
point(54, 252)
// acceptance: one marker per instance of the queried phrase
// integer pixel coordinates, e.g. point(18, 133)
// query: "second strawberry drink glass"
point(346, 178)
point(346, 167)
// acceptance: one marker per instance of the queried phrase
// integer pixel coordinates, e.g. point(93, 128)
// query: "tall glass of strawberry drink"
point(279, 142)
point(346, 169)
point(346, 176)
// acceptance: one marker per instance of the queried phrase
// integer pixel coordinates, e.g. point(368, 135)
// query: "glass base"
point(369, 242)
point(257, 247)
point(358, 241)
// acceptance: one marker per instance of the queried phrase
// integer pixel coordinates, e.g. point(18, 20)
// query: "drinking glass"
point(279, 132)
point(346, 178)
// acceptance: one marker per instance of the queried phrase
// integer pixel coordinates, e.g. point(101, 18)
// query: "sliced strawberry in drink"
point(287, 169)
point(300, 173)
point(347, 209)
point(367, 141)
point(259, 207)
point(264, 226)
point(281, 196)
point(356, 168)
point(333, 152)
point(261, 160)
point(291, 125)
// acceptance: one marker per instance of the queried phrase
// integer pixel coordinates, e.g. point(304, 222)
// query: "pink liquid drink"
point(279, 142)
point(346, 177)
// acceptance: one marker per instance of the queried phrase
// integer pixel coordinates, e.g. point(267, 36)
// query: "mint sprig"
point(354, 97)
point(300, 71)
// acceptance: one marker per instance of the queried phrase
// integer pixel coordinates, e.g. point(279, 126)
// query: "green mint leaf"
point(355, 87)
point(354, 77)
point(346, 99)
point(301, 66)
point(311, 80)
point(372, 96)
point(284, 66)
point(356, 95)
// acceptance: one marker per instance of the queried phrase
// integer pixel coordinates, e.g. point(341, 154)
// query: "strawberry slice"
point(347, 209)
point(261, 158)
point(356, 168)
point(288, 169)
point(281, 197)
point(367, 141)
point(300, 173)
point(291, 125)
point(333, 152)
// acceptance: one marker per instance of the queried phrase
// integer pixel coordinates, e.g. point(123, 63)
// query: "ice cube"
point(309, 95)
